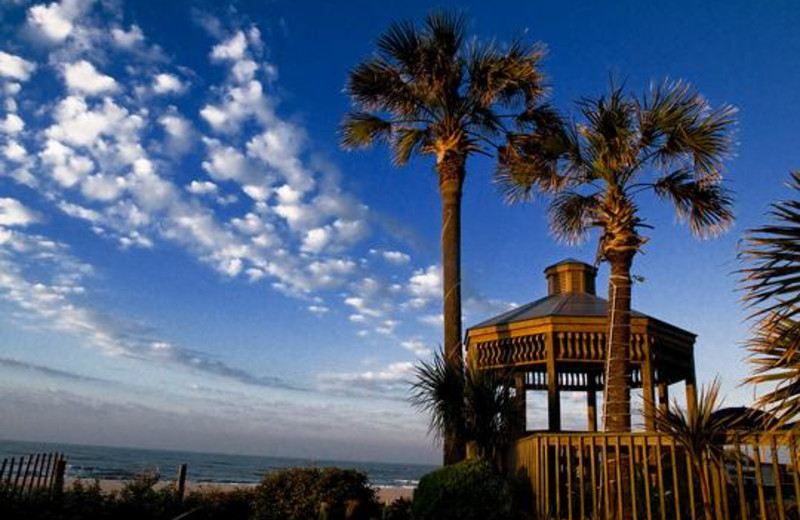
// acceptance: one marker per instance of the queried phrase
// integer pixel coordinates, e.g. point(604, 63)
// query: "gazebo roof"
point(563, 304)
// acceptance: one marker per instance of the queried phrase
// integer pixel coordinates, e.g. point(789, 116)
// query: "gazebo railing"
point(577, 476)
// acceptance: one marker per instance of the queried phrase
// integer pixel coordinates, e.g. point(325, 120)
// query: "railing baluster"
point(759, 479)
point(661, 498)
point(795, 466)
point(740, 477)
point(606, 491)
point(569, 477)
point(675, 491)
point(646, 475)
point(632, 478)
point(581, 479)
point(776, 471)
point(618, 467)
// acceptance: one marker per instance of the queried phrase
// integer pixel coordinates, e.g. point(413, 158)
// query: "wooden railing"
point(648, 476)
point(41, 471)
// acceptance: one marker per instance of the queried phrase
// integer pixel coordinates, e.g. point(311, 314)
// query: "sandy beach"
point(386, 494)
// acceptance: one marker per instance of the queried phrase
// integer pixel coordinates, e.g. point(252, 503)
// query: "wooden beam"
point(691, 390)
point(519, 390)
point(591, 408)
point(648, 380)
point(553, 394)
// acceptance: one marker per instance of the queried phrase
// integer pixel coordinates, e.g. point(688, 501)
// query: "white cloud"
point(14, 67)
point(12, 124)
point(435, 320)
point(14, 151)
point(231, 49)
point(389, 381)
point(54, 21)
point(202, 188)
point(14, 213)
point(316, 240)
point(318, 309)
point(127, 39)
point(167, 84)
point(417, 347)
point(179, 133)
point(84, 78)
point(425, 285)
point(393, 257)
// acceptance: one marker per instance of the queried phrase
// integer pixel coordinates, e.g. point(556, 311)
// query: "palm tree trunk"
point(618, 392)
point(451, 170)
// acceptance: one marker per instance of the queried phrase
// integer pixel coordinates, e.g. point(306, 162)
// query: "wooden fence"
point(41, 471)
point(576, 476)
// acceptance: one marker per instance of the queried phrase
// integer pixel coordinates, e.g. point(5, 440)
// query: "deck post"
point(519, 390)
point(691, 389)
point(553, 397)
point(591, 406)
point(648, 378)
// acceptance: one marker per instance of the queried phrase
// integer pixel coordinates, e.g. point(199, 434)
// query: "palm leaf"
point(706, 205)
point(362, 129)
point(572, 215)
point(772, 285)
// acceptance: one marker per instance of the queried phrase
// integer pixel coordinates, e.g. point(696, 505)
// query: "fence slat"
point(760, 480)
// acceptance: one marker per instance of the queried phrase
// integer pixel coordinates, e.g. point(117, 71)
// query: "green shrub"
point(298, 493)
point(400, 509)
point(469, 490)
point(212, 504)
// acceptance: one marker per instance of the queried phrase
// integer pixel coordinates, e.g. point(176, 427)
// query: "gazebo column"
point(519, 391)
point(553, 397)
point(663, 397)
point(591, 405)
point(648, 378)
point(691, 388)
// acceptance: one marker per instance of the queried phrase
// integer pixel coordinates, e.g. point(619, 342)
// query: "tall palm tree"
point(669, 143)
point(427, 91)
point(772, 282)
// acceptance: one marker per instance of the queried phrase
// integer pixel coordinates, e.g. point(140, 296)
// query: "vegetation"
point(670, 143)
point(700, 433)
point(476, 406)
point(470, 490)
point(772, 282)
point(303, 493)
point(429, 91)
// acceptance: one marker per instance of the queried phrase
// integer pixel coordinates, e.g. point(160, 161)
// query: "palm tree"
point(772, 283)
point(474, 406)
point(670, 143)
point(700, 433)
point(427, 91)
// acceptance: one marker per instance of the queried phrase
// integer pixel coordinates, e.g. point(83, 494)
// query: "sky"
point(189, 260)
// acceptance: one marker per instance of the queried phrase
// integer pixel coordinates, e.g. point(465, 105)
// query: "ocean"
point(107, 463)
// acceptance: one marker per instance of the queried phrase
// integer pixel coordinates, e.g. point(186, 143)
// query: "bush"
point(298, 494)
point(213, 504)
point(464, 491)
point(400, 509)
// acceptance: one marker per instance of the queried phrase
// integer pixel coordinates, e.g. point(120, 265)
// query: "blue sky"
point(188, 260)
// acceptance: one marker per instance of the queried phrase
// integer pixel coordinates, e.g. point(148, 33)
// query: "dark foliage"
point(298, 494)
point(469, 490)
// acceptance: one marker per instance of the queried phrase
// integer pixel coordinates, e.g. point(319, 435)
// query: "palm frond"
point(699, 433)
point(438, 391)
point(678, 125)
point(508, 77)
point(409, 141)
point(705, 205)
point(377, 85)
point(402, 43)
point(772, 291)
point(572, 215)
point(362, 129)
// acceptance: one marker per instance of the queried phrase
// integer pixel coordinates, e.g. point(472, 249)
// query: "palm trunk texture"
point(618, 392)
point(451, 179)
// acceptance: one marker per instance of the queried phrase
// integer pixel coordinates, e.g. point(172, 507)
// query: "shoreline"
point(385, 494)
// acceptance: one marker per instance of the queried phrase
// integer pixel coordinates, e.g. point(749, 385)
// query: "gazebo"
point(558, 343)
